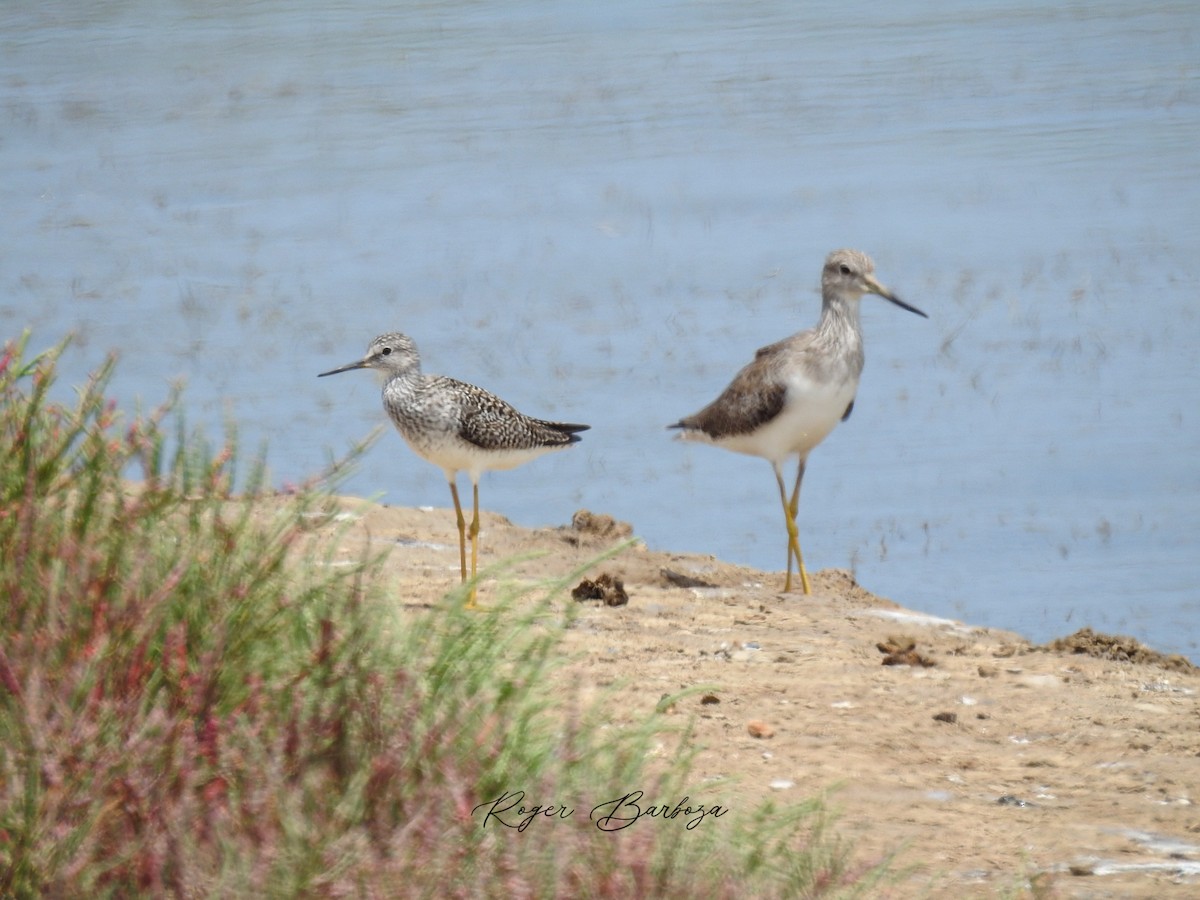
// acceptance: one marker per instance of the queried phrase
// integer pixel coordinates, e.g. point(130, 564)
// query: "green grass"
point(194, 701)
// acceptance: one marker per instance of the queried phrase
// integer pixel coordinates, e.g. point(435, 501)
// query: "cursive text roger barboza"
point(510, 811)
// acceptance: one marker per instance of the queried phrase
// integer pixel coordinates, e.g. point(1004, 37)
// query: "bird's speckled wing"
point(493, 424)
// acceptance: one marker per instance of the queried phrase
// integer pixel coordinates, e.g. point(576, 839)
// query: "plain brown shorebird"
point(458, 427)
point(795, 391)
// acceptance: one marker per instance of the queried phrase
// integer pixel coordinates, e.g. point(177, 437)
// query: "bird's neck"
point(406, 379)
point(839, 319)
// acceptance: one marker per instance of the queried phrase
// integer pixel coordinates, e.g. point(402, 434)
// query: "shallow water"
point(600, 211)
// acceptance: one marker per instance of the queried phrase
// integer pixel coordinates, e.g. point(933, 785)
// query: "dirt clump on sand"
point(1118, 648)
point(605, 587)
point(589, 528)
point(1076, 763)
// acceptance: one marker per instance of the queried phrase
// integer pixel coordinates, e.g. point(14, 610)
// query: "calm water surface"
point(599, 211)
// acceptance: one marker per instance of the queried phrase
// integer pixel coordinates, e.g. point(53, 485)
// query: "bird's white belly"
point(452, 454)
point(811, 410)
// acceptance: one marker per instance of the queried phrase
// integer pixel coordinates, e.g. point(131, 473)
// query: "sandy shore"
point(978, 760)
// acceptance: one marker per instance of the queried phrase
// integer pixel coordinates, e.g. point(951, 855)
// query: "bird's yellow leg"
point(794, 504)
point(474, 544)
point(793, 537)
point(462, 532)
point(794, 508)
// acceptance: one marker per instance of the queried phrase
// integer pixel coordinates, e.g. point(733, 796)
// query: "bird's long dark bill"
point(361, 364)
point(900, 303)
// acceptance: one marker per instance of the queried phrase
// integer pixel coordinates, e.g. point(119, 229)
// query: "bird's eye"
point(845, 269)
point(386, 351)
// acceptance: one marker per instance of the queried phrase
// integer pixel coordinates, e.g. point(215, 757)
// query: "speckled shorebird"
point(792, 395)
point(457, 426)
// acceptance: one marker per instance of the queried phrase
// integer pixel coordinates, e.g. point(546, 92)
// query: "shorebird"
point(795, 391)
point(456, 426)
